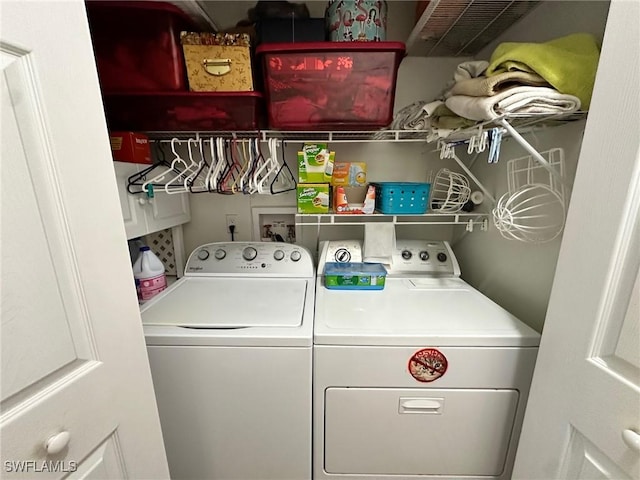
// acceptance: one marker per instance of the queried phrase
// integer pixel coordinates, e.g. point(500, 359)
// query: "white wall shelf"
point(522, 123)
point(471, 220)
point(350, 136)
point(459, 28)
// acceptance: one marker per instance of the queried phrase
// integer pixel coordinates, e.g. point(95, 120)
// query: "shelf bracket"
point(469, 226)
point(472, 176)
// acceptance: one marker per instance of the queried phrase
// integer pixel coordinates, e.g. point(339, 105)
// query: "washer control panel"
point(255, 258)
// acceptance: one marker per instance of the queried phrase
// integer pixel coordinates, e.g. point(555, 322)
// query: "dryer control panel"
point(251, 258)
point(424, 257)
point(410, 257)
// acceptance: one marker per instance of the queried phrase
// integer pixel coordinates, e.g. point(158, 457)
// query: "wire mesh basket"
point(450, 191)
point(533, 210)
point(534, 214)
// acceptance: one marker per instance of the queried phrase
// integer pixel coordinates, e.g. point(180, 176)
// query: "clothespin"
point(494, 150)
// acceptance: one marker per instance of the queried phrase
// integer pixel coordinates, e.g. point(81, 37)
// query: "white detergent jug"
point(148, 272)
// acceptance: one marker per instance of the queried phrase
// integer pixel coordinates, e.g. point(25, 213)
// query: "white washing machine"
point(427, 378)
point(230, 347)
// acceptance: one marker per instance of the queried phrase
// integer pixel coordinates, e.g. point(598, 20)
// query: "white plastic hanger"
point(173, 169)
point(272, 166)
point(184, 178)
point(220, 163)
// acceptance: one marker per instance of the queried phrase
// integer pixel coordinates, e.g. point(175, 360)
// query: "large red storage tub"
point(137, 44)
point(330, 85)
point(184, 111)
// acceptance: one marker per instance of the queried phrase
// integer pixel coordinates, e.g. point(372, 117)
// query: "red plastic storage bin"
point(137, 44)
point(184, 111)
point(330, 85)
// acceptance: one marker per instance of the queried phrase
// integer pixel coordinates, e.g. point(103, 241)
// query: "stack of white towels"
point(484, 98)
point(473, 97)
point(522, 79)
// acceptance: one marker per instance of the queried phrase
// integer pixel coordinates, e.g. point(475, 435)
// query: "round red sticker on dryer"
point(427, 365)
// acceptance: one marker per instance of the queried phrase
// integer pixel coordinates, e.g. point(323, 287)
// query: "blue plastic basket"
point(402, 197)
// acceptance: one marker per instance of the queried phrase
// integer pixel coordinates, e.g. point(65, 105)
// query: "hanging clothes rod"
point(208, 139)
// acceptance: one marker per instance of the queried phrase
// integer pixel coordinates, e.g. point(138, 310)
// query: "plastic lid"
point(144, 249)
point(354, 268)
point(314, 47)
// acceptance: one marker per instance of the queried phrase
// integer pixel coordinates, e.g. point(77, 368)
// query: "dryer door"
point(393, 431)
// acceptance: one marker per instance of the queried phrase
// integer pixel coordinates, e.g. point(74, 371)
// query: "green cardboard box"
point(316, 168)
point(313, 197)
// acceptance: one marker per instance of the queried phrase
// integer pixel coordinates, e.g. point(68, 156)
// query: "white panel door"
point(77, 397)
point(583, 416)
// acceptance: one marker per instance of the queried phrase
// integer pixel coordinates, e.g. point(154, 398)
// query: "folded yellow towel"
point(568, 63)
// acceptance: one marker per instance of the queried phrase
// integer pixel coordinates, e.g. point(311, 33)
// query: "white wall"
point(556, 18)
point(516, 275)
point(519, 275)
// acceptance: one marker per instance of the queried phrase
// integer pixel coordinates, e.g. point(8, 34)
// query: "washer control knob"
point(296, 255)
point(442, 257)
point(406, 254)
point(220, 254)
point(278, 255)
point(249, 253)
point(203, 254)
point(342, 255)
point(424, 255)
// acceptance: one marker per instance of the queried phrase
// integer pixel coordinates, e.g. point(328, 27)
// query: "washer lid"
point(228, 303)
point(416, 311)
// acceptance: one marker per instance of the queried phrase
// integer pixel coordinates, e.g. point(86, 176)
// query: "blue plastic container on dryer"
point(402, 197)
point(356, 20)
point(354, 276)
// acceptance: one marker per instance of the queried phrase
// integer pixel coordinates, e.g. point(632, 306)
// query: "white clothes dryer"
point(427, 378)
point(230, 348)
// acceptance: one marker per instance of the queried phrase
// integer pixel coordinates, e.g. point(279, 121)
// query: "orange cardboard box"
point(130, 147)
point(349, 174)
point(354, 200)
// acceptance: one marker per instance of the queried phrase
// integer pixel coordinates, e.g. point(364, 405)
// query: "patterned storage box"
point(217, 62)
point(356, 20)
point(402, 197)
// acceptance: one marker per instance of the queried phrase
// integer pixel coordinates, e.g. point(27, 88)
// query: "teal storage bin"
point(402, 197)
point(354, 276)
